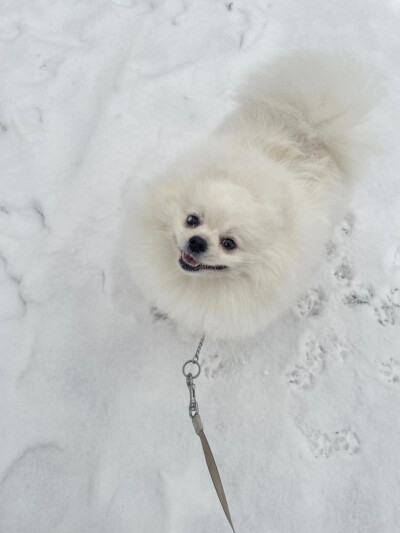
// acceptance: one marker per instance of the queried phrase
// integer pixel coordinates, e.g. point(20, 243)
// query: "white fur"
point(275, 177)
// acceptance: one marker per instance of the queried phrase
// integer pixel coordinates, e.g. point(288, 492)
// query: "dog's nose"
point(197, 244)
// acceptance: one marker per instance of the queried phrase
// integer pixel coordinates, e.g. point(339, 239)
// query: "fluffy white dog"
point(227, 238)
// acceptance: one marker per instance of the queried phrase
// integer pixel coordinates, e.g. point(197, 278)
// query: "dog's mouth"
point(190, 264)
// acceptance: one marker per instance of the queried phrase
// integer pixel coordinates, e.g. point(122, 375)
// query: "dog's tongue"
point(189, 259)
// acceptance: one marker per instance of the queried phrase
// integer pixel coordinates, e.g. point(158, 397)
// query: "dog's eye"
point(192, 221)
point(228, 244)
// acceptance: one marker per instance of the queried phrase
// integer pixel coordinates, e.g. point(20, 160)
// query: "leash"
point(199, 429)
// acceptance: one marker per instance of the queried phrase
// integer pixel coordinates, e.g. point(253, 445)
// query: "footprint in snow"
point(390, 370)
point(158, 315)
point(310, 366)
point(314, 357)
point(387, 308)
point(331, 250)
point(325, 444)
point(385, 313)
point(343, 272)
point(346, 227)
point(394, 297)
point(358, 294)
point(310, 304)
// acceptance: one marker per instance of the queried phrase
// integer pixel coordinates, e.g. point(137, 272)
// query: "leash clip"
point(193, 405)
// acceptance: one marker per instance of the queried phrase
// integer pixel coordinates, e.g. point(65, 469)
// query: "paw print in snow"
point(347, 224)
point(343, 272)
point(335, 348)
point(320, 444)
point(157, 314)
point(385, 313)
point(323, 444)
point(394, 297)
point(314, 358)
point(303, 375)
point(310, 304)
point(331, 250)
point(391, 371)
point(314, 355)
point(346, 440)
point(358, 295)
point(386, 310)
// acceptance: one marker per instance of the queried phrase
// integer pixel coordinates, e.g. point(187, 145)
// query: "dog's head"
point(224, 220)
point(212, 241)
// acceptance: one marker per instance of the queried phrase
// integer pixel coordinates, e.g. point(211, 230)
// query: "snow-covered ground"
point(94, 433)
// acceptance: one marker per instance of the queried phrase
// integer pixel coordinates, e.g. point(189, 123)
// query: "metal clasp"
point(193, 406)
point(187, 372)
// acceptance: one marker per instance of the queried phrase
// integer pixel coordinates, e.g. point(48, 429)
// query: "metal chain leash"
point(198, 426)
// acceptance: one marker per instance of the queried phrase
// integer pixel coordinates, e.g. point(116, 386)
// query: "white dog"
point(227, 238)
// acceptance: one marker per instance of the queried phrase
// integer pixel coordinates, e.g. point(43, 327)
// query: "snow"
point(95, 435)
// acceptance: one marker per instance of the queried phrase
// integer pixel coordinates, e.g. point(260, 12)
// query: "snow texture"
point(95, 435)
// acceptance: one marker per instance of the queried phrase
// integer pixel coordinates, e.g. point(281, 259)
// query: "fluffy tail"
point(333, 94)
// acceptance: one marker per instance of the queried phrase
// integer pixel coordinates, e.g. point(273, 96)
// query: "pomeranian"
point(230, 234)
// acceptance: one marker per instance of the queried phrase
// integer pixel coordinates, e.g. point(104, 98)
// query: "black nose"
point(197, 245)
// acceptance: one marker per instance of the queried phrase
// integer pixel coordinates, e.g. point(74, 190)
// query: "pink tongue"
point(190, 260)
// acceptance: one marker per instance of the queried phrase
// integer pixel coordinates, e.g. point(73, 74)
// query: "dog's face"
point(208, 227)
point(220, 228)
